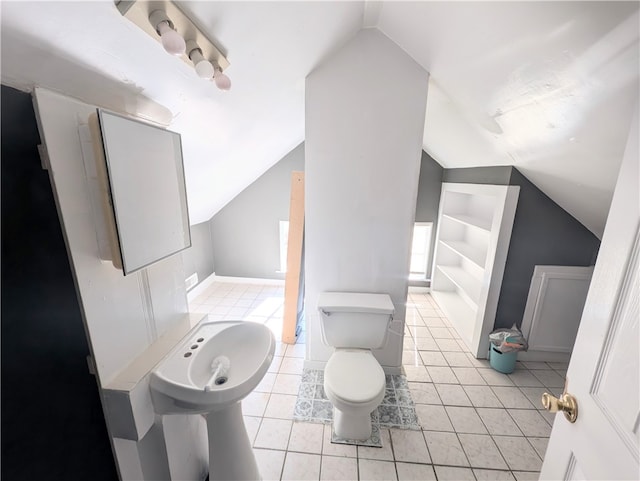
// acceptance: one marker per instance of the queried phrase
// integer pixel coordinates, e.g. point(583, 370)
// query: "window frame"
point(422, 275)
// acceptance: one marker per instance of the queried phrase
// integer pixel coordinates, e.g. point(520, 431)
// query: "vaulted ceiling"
point(549, 87)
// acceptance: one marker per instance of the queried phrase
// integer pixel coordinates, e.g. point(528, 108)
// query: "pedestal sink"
point(182, 383)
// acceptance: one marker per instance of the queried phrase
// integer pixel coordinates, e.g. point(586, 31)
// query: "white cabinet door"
point(604, 372)
point(554, 308)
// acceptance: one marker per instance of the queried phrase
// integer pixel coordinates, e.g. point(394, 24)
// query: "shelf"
point(474, 230)
point(478, 223)
point(464, 281)
point(468, 251)
point(459, 312)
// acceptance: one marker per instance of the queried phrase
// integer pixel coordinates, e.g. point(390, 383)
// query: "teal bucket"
point(503, 362)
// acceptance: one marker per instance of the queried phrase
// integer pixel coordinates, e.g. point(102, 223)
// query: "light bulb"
point(172, 42)
point(222, 81)
point(203, 67)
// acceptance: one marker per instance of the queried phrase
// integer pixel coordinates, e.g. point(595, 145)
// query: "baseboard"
point(419, 290)
point(393, 370)
point(201, 287)
point(316, 365)
point(205, 283)
point(543, 356)
point(250, 280)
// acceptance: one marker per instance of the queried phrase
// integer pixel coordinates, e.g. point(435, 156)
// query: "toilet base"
point(352, 426)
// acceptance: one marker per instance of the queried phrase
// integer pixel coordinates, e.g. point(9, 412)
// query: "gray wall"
point(245, 233)
point(543, 234)
point(245, 238)
point(199, 257)
point(429, 190)
point(499, 175)
point(238, 251)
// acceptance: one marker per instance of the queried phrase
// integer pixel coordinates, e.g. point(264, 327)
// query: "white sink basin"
point(182, 382)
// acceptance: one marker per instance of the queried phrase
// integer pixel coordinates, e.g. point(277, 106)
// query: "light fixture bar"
point(138, 12)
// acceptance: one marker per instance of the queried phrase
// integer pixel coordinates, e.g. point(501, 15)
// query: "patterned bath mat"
point(395, 411)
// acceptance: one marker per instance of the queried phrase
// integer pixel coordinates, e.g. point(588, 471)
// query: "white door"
point(604, 373)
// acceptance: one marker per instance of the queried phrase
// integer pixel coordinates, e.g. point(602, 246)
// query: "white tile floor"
point(477, 424)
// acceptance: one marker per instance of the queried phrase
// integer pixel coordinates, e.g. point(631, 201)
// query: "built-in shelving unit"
point(474, 230)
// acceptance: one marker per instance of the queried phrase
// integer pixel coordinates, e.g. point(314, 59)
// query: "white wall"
point(364, 117)
point(123, 316)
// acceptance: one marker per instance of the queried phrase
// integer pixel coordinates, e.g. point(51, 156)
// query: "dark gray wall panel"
point(429, 190)
point(499, 175)
point(543, 234)
point(199, 257)
point(52, 422)
point(245, 232)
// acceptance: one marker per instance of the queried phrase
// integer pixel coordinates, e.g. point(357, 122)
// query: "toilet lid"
point(354, 376)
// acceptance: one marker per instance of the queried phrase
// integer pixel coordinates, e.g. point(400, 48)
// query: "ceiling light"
point(167, 20)
point(221, 80)
point(203, 67)
point(172, 42)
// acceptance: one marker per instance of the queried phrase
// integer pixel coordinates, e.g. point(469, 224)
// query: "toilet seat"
point(354, 376)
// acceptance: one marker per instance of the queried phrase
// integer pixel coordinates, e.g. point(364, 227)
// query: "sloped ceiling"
point(546, 86)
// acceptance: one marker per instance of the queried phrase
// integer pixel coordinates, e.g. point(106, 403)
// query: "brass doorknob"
point(567, 404)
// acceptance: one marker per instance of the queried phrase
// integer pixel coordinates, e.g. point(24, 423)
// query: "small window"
point(420, 248)
point(284, 243)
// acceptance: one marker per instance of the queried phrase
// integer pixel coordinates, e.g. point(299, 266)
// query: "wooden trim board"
point(294, 258)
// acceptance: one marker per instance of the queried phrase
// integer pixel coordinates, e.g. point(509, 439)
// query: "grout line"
point(409, 336)
point(284, 461)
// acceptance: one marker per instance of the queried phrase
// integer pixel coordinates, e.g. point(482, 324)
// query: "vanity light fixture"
point(167, 23)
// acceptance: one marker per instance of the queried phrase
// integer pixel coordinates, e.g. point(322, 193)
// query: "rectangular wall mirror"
point(147, 188)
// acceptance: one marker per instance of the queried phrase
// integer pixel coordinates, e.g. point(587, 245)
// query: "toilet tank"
point(353, 319)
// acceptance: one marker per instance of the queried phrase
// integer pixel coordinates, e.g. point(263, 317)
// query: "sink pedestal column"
point(230, 454)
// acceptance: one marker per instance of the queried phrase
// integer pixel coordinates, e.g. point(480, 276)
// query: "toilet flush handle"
point(325, 312)
point(390, 328)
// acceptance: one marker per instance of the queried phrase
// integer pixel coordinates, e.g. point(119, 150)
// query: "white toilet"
point(354, 324)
